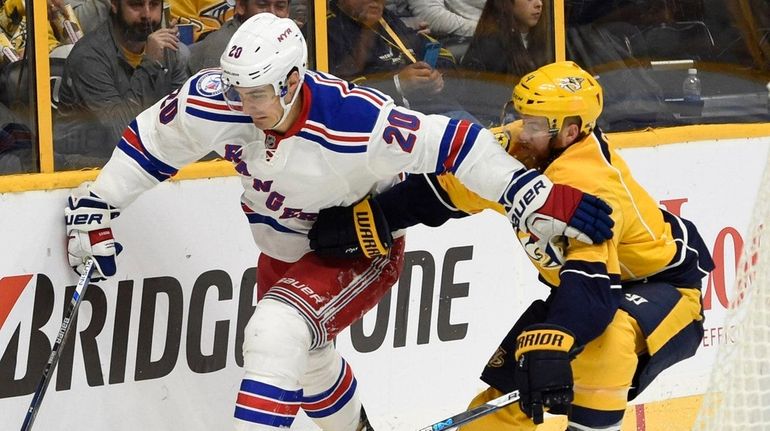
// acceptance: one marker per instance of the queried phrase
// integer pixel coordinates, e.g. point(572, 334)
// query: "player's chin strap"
point(287, 106)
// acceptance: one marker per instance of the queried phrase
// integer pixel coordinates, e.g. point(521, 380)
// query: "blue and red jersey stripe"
point(131, 144)
point(266, 404)
point(458, 139)
point(333, 399)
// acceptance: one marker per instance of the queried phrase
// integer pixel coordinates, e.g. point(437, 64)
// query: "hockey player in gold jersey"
point(618, 313)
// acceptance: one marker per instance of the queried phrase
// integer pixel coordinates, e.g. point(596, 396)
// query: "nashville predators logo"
point(498, 359)
point(571, 83)
point(550, 257)
point(504, 140)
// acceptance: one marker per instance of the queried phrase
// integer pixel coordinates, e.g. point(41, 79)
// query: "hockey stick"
point(474, 413)
point(69, 315)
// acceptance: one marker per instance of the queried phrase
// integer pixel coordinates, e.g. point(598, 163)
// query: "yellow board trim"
point(72, 179)
point(43, 87)
point(559, 31)
point(645, 138)
point(675, 135)
point(321, 42)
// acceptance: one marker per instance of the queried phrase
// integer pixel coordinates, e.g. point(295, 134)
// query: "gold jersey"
point(642, 243)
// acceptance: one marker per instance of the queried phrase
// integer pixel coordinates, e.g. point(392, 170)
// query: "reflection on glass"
point(512, 38)
point(641, 51)
point(128, 63)
point(17, 142)
point(373, 46)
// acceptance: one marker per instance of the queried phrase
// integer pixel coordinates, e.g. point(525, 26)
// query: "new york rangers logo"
point(210, 84)
point(571, 83)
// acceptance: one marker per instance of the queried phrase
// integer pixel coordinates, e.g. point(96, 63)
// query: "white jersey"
point(348, 142)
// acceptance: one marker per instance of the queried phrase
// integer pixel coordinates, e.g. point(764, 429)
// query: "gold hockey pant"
point(631, 351)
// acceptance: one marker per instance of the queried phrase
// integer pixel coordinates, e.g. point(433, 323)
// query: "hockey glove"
point(544, 210)
point(543, 372)
point(352, 231)
point(89, 234)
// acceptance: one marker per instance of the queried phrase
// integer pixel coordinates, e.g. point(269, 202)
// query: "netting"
point(738, 397)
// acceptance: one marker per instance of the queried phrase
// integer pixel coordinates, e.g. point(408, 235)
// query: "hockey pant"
point(290, 362)
point(656, 326)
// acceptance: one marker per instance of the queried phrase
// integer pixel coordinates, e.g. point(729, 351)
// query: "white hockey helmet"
point(263, 51)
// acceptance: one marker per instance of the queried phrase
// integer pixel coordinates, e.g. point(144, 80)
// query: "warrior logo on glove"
point(543, 372)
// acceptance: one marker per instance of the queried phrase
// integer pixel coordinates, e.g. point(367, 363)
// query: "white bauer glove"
point(89, 234)
point(549, 210)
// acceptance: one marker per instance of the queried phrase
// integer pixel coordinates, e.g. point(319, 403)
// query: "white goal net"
point(738, 397)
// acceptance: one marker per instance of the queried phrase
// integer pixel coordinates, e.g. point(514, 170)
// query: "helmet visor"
point(508, 113)
point(233, 98)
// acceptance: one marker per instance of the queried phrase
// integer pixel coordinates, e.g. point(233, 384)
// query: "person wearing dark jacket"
point(113, 73)
point(371, 46)
point(512, 38)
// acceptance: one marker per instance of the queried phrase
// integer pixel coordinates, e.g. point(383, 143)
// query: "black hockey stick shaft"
point(474, 413)
point(69, 316)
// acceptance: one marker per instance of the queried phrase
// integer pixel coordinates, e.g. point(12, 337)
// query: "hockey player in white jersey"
point(303, 141)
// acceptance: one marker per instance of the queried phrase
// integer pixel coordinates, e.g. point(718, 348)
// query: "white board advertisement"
point(157, 347)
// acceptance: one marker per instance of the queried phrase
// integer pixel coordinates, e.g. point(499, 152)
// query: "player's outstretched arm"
point(364, 229)
point(537, 206)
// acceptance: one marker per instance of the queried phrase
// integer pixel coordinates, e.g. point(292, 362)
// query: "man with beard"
point(112, 74)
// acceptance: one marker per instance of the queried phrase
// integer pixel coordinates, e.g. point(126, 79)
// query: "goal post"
point(738, 394)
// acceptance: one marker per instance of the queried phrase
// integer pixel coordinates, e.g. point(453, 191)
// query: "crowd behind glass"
point(111, 59)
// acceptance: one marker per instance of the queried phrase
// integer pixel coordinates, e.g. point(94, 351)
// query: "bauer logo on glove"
point(537, 206)
point(89, 234)
point(83, 219)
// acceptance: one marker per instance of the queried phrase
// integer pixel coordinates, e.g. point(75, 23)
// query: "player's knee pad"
point(276, 343)
point(275, 353)
point(331, 398)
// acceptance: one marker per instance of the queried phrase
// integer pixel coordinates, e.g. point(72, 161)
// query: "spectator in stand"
point(17, 155)
point(402, 10)
point(369, 45)
point(299, 12)
point(112, 74)
point(206, 53)
point(452, 22)
point(90, 13)
point(206, 16)
point(511, 40)
point(14, 27)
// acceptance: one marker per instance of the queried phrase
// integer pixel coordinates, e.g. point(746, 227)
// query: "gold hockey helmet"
point(557, 91)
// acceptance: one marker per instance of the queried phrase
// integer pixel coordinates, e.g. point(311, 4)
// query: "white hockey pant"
point(282, 375)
